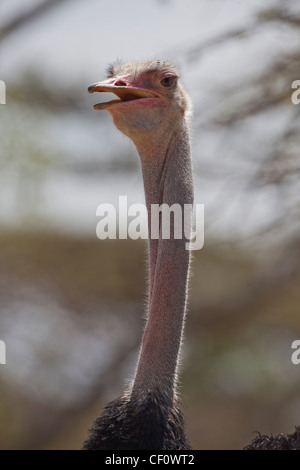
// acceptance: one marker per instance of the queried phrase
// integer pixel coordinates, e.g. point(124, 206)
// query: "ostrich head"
point(151, 100)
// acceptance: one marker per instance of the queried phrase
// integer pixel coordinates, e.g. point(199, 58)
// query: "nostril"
point(120, 82)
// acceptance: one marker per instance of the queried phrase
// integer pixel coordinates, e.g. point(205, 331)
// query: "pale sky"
point(75, 42)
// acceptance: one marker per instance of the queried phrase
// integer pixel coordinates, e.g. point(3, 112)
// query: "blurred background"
point(71, 306)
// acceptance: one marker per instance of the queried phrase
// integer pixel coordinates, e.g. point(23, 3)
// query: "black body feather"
point(135, 424)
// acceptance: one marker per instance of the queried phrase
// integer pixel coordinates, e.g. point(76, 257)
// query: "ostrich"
point(152, 109)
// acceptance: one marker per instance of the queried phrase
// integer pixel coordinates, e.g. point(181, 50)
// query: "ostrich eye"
point(168, 82)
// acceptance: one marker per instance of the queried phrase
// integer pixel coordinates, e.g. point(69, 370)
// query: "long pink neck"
point(167, 175)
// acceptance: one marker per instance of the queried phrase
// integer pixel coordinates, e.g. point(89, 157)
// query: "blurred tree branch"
point(268, 164)
point(273, 88)
point(26, 17)
point(277, 15)
point(239, 33)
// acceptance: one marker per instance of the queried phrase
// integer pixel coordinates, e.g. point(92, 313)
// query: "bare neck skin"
point(167, 175)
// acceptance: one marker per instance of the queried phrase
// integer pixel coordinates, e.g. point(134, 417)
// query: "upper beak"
point(124, 93)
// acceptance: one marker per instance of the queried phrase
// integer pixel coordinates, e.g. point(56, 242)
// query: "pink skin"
point(131, 94)
point(151, 113)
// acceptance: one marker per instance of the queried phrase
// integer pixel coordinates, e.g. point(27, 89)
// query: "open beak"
point(124, 93)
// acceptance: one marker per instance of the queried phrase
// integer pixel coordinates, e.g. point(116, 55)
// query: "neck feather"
point(167, 175)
